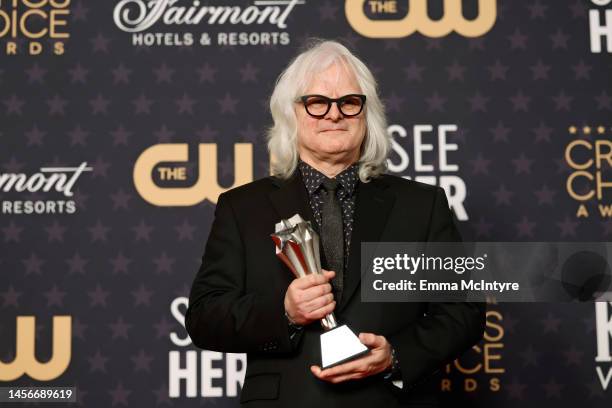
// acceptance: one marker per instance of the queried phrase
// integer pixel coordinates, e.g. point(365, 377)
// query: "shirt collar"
point(313, 178)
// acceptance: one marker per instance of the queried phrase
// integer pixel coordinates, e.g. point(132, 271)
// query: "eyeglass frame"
point(330, 101)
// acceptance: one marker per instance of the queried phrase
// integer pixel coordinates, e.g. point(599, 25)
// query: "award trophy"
point(297, 245)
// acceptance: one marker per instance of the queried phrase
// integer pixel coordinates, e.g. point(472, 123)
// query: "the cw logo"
point(417, 20)
point(25, 359)
point(207, 185)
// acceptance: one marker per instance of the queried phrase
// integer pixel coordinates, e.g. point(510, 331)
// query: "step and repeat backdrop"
point(121, 122)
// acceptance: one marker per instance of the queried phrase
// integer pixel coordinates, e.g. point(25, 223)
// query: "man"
point(330, 147)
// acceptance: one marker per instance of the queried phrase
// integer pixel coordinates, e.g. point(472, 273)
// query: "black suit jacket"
point(236, 301)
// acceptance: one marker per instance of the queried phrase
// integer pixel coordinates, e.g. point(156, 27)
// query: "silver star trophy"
point(297, 245)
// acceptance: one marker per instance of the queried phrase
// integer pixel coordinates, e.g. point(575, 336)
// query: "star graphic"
point(99, 104)
point(455, 71)
point(228, 104)
point(500, 132)
point(515, 389)
point(100, 167)
point(78, 328)
point(100, 43)
point(162, 327)
point(57, 105)
point(502, 195)
point(35, 136)
point(480, 165)
point(552, 389)
point(12, 233)
point(55, 297)
point(207, 134)
point(79, 12)
point(477, 43)
point(163, 263)
point(120, 136)
point(33, 264)
point(327, 11)
point(537, 10)
point(10, 297)
point(207, 73)
point(163, 134)
point(97, 362)
point(435, 102)
point(120, 263)
point(142, 231)
point(185, 104)
point(185, 231)
point(121, 74)
point(478, 102)
point(163, 73)
point(582, 70)
point(518, 40)
point(76, 264)
point(568, 227)
point(559, 39)
point(142, 361)
point(551, 323)
point(120, 199)
point(563, 101)
point(414, 72)
point(98, 296)
point(604, 101)
point(530, 357)
point(483, 228)
point(13, 166)
point(545, 195)
point(539, 70)
point(522, 164)
point(142, 296)
point(120, 328)
point(394, 102)
point(78, 74)
point(250, 134)
point(542, 133)
point(520, 101)
point(78, 136)
point(36, 74)
point(525, 227)
point(142, 104)
point(573, 356)
point(248, 73)
point(578, 9)
point(161, 395)
point(98, 232)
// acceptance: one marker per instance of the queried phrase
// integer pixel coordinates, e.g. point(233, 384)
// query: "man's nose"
point(334, 112)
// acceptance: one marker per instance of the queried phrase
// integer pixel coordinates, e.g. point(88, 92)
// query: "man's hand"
point(378, 360)
point(309, 298)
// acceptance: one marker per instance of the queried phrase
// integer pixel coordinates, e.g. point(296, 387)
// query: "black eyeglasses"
point(318, 105)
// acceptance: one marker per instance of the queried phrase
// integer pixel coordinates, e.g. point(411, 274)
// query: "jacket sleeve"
point(447, 329)
point(221, 315)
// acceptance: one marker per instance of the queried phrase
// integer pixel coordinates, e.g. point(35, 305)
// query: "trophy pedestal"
point(339, 345)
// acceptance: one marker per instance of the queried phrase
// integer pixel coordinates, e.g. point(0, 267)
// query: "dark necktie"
point(333, 234)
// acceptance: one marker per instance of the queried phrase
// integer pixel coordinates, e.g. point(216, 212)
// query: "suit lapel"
point(373, 206)
point(291, 197)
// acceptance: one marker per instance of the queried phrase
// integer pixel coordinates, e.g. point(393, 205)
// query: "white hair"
point(294, 81)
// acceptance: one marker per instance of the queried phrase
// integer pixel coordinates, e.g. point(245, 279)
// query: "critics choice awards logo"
point(34, 27)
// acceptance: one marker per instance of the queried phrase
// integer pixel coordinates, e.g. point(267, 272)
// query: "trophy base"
point(340, 345)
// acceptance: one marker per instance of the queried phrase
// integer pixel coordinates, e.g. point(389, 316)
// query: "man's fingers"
point(313, 279)
point(358, 365)
point(321, 312)
point(315, 292)
point(371, 340)
point(319, 302)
